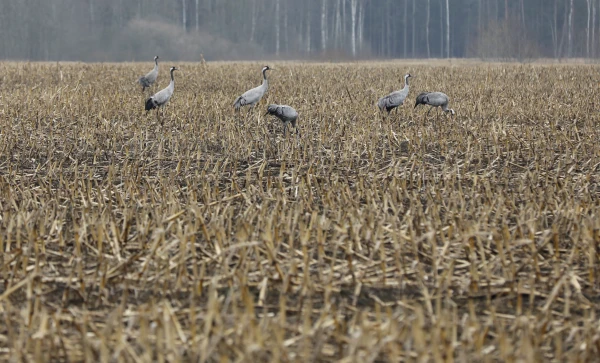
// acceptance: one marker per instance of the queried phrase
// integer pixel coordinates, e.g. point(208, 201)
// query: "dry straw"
point(210, 237)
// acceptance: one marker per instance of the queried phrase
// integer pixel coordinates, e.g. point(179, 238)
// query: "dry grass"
point(209, 237)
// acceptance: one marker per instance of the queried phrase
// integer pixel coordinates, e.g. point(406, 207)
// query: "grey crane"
point(161, 97)
point(253, 96)
point(147, 80)
point(286, 114)
point(434, 99)
point(394, 99)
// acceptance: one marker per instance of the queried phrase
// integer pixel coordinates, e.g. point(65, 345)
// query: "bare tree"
point(594, 29)
point(197, 16)
point(253, 22)
point(448, 29)
point(353, 6)
point(587, 29)
point(427, 16)
point(361, 24)
point(323, 25)
point(570, 30)
point(183, 15)
point(414, 12)
point(405, 28)
point(277, 21)
point(338, 24)
point(442, 28)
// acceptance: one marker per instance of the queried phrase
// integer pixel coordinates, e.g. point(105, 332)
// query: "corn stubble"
point(207, 236)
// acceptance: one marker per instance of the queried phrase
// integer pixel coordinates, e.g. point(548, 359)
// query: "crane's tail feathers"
point(238, 103)
point(149, 104)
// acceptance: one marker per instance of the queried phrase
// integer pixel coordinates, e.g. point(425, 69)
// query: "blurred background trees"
point(124, 30)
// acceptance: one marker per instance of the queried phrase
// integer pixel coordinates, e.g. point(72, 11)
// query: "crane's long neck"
point(156, 64)
point(172, 83)
point(405, 84)
point(265, 82)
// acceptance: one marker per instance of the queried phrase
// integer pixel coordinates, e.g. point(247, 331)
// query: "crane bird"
point(161, 97)
point(147, 80)
point(434, 99)
point(253, 96)
point(286, 114)
point(394, 99)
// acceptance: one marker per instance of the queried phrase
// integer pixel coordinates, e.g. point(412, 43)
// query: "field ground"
point(206, 236)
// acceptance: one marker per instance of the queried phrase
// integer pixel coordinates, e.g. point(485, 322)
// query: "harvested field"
point(206, 236)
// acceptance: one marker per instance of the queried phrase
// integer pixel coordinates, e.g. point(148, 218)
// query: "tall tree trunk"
point(183, 15)
point(353, 5)
point(442, 27)
point(427, 16)
point(344, 26)
point(197, 16)
point(405, 29)
point(92, 14)
point(448, 28)
point(523, 14)
point(594, 29)
point(479, 15)
point(324, 25)
point(308, 33)
point(276, 21)
point(253, 24)
point(285, 28)
point(361, 25)
point(570, 30)
point(338, 24)
point(587, 30)
point(554, 31)
point(414, 11)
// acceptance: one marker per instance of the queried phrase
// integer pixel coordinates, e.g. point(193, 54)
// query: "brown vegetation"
point(210, 236)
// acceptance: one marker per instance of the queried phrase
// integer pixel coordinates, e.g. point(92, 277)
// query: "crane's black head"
point(266, 68)
point(421, 99)
point(155, 57)
point(174, 69)
point(407, 75)
point(271, 109)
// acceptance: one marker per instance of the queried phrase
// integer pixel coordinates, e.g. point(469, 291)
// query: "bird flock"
point(287, 114)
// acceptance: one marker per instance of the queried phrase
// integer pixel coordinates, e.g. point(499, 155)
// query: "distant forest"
point(134, 30)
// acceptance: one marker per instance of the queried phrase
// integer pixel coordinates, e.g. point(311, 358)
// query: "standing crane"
point(161, 97)
point(434, 99)
point(394, 99)
point(286, 114)
point(147, 80)
point(253, 96)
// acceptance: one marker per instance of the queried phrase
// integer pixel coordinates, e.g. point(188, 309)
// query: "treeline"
point(117, 30)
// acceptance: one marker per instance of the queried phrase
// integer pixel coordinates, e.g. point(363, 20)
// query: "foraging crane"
point(434, 99)
point(147, 80)
point(286, 114)
point(161, 97)
point(253, 96)
point(394, 99)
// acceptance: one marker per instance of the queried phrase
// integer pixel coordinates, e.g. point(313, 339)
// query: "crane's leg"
point(285, 126)
point(430, 108)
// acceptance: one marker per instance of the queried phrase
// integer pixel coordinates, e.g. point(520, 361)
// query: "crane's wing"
point(287, 113)
point(149, 78)
point(249, 97)
point(422, 99)
point(437, 99)
point(162, 96)
point(391, 101)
